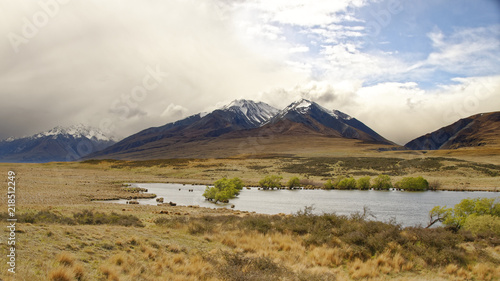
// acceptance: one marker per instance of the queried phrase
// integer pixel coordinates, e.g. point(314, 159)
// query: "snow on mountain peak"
point(302, 106)
point(255, 112)
point(76, 131)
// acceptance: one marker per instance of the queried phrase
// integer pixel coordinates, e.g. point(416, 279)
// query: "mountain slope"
point(481, 130)
point(327, 122)
point(57, 144)
point(244, 127)
point(236, 116)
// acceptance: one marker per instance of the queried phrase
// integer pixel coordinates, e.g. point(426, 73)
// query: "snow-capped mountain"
point(257, 113)
point(236, 127)
point(57, 144)
point(237, 115)
point(325, 121)
point(76, 131)
point(304, 106)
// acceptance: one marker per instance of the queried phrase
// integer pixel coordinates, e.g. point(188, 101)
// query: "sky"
point(404, 68)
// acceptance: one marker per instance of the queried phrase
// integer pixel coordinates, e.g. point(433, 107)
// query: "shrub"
point(363, 183)
point(293, 183)
point(413, 184)
point(328, 184)
point(382, 182)
point(223, 190)
point(482, 224)
point(347, 183)
point(457, 216)
point(95, 218)
point(270, 182)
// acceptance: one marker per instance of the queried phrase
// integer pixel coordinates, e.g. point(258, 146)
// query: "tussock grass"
point(60, 274)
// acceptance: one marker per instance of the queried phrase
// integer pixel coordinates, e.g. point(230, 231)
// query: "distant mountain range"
point(480, 130)
point(57, 144)
point(236, 121)
point(239, 128)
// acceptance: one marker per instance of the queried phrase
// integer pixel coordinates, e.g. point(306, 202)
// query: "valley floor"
point(62, 235)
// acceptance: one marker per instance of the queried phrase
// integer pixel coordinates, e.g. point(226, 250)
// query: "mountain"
point(57, 144)
point(236, 116)
point(481, 130)
point(244, 127)
point(316, 118)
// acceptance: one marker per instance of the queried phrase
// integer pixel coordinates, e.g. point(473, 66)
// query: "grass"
point(63, 235)
point(227, 245)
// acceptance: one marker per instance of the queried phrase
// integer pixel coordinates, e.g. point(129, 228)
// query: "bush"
point(328, 185)
point(89, 217)
point(458, 215)
point(270, 182)
point(413, 184)
point(293, 183)
point(348, 183)
point(363, 183)
point(223, 190)
point(483, 224)
point(382, 182)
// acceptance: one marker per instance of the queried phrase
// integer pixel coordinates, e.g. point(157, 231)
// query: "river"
point(407, 208)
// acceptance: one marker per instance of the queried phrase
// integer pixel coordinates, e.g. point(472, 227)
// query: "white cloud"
point(174, 112)
point(93, 52)
point(403, 111)
point(303, 13)
point(467, 51)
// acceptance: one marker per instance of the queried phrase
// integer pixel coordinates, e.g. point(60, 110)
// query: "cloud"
point(404, 111)
point(80, 64)
point(174, 112)
point(87, 61)
point(302, 13)
point(467, 51)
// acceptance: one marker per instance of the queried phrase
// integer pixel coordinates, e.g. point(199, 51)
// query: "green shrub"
point(347, 183)
point(458, 215)
point(293, 183)
point(363, 183)
point(328, 185)
point(270, 182)
point(413, 184)
point(482, 224)
point(223, 190)
point(382, 182)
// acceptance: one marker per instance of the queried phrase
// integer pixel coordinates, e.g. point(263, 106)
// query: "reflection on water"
point(407, 208)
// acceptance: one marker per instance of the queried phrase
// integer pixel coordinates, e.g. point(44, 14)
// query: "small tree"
point(462, 212)
point(382, 182)
point(223, 190)
point(347, 183)
point(293, 183)
point(328, 184)
point(363, 183)
point(271, 182)
point(413, 184)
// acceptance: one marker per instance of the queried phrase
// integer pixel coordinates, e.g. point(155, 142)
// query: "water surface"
point(407, 208)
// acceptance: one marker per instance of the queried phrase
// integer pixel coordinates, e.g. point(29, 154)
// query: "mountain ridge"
point(479, 130)
point(57, 144)
point(241, 119)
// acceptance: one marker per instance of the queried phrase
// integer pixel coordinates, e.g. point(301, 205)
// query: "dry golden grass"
point(184, 251)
